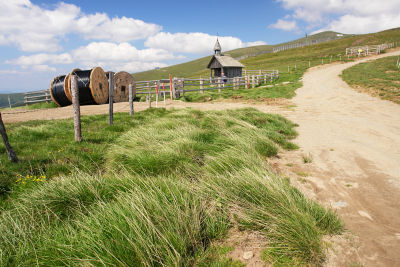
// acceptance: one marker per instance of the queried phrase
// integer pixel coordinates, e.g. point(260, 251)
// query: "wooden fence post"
point(174, 88)
point(246, 84)
point(252, 81)
point(131, 100)
point(149, 94)
point(158, 84)
point(201, 86)
point(219, 80)
point(10, 151)
point(183, 87)
point(265, 78)
point(76, 107)
point(170, 87)
point(111, 98)
point(163, 87)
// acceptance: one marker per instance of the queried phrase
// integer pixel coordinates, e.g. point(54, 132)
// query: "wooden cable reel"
point(92, 84)
point(122, 80)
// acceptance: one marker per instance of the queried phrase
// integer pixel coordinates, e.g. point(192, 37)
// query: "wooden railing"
point(177, 87)
point(366, 50)
point(37, 97)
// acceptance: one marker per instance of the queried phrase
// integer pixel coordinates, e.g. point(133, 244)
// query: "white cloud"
point(347, 16)
point(195, 42)
point(43, 68)
point(121, 56)
point(42, 58)
point(110, 56)
point(286, 25)
point(33, 28)
point(101, 27)
point(105, 51)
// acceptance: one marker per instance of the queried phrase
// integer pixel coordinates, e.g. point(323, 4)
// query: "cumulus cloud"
point(121, 56)
point(33, 28)
point(347, 16)
point(285, 25)
point(195, 42)
point(43, 68)
point(111, 56)
point(102, 51)
point(38, 59)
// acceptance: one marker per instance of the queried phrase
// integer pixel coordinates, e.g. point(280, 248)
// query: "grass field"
point(155, 189)
point(379, 78)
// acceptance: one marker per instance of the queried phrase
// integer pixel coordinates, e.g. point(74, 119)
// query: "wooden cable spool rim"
point(67, 84)
point(122, 80)
point(99, 85)
point(51, 93)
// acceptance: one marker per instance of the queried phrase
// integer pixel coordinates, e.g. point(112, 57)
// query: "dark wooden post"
point(76, 107)
point(10, 151)
point(111, 98)
point(130, 99)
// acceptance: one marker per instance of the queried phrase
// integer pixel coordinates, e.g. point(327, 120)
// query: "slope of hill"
point(279, 60)
point(14, 98)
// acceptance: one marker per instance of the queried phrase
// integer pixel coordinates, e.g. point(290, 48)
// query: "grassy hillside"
point(14, 98)
point(378, 78)
point(155, 189)
point(281, 60)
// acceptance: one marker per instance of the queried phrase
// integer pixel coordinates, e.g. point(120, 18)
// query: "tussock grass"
point(166, 191)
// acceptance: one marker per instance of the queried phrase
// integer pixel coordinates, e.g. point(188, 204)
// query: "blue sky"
point(42, 39)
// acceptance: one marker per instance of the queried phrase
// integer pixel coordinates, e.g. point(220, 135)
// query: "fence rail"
point(177, 87)
point(366, 50)
point(37, 97)
point(304, 43)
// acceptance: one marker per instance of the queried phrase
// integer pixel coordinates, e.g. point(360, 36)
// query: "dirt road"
point(354, 142)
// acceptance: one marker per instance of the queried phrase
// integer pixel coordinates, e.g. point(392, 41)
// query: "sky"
point(42, 39)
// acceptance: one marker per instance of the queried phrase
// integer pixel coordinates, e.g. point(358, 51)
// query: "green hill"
point(280, 60)
point(16, 98)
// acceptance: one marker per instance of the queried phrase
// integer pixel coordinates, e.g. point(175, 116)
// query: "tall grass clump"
point(125, 220)
point(166, 191)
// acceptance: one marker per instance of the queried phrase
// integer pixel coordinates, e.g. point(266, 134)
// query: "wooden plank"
point(10, 151)
point(131, 99)
point(76, 107)
point(111, 98)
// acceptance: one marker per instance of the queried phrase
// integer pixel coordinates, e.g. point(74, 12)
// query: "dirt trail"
point(354, 140)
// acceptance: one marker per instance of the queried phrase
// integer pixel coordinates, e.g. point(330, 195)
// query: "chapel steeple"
point(217, 48)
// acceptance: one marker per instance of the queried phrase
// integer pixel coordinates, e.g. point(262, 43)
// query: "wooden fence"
point(367, 49)
point(304, 43)
point(37, 97)
point(176, 87)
